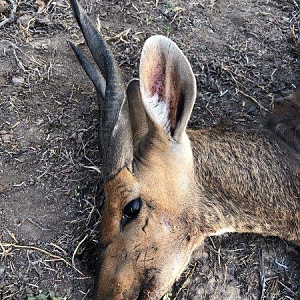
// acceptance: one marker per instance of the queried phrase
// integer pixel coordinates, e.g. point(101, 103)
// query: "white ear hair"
point(157, 110)
point(167, 84)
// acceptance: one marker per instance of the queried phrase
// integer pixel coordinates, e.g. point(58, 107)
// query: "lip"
point(143, 295)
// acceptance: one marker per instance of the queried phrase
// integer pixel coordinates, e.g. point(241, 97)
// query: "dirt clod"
point(3, 6)
point(18, 81)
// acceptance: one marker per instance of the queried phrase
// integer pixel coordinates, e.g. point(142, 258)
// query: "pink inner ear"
point(167, 85)
point(164, 84)
point(161, 77)
point(158, 80)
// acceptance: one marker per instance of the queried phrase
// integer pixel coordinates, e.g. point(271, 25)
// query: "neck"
point(248, 182)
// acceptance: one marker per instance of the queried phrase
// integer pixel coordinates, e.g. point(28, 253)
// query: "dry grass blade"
point(56, 257)
point(76, 250)
point(253, 99)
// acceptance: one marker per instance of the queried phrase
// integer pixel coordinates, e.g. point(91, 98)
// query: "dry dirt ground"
point(245, 54)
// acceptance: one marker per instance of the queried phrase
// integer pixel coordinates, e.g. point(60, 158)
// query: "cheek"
point(109, 227)
point(178, 264)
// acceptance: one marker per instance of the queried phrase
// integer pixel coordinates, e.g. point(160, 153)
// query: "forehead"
point(123, 186)
point(156, 184)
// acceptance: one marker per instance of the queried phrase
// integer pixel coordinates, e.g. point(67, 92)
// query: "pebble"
point(18, 81)
point(3, 6)
point(6, 138)
point(41, 5)
point(44, 21)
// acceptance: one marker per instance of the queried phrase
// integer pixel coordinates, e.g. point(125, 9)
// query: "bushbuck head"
point(147, 231)
point(166, 190)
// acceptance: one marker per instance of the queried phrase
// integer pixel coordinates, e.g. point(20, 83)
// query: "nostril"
point(141, 296)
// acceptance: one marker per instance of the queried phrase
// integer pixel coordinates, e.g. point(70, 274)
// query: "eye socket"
point(131, 210)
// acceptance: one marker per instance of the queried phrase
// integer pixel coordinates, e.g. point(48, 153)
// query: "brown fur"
point(245, 180)
point(189, 184)
point(285, 120)
point(251, 179)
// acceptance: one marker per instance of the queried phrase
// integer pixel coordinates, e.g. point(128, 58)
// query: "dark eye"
point(131, 210)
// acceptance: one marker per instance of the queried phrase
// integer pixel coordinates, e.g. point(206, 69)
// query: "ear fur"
point(167, 84)
point(137, 114)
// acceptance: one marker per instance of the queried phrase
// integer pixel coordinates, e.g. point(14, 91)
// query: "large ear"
point(137, 114)
point(168, 85)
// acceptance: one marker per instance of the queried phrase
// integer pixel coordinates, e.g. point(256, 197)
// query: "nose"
point(141, 296)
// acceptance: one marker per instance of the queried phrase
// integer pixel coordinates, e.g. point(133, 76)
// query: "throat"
point(223, 230)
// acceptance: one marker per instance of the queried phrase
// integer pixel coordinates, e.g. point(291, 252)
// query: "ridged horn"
point(115, 130)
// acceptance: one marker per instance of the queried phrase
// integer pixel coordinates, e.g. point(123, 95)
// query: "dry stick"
point(226, 68)
point(262, 275)
point(287, 288)
point(253, 99)
point(76, 249)
point(42, 251)
point(246, 95)
point(186, 280)
point(13, 10)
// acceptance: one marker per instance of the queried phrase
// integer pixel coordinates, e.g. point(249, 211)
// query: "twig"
point(253, 99)
point(13, 9)
point(183, 285)
point(20, 64)
point(287, 288)
point(76, 249)
point(57, 257)
point(94, 168)
point(231, 72)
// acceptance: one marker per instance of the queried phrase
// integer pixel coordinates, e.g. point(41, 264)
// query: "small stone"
point(6, 138)
point(74, 136)
point(18, 81)
point(3, 6)
point(39, 122)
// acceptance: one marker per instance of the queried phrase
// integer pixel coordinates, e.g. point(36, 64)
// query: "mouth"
point(141, 296)
point(146, 295)
point(147, 289)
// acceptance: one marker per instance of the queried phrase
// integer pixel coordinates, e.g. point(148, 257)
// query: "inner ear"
point(167, 84)
point(160, 80)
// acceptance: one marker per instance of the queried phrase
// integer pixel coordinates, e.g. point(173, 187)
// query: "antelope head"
point(147, 233)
